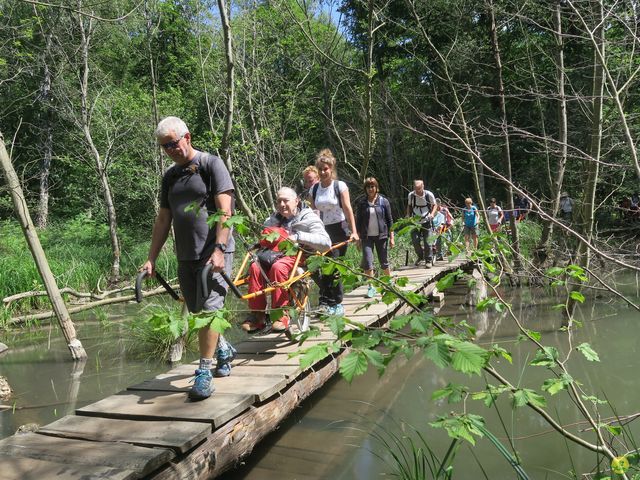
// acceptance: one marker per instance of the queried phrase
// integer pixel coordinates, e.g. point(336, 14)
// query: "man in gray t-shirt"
point(200, 178)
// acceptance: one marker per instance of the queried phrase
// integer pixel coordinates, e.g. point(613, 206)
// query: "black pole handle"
point(205, 275)
point(139, 280)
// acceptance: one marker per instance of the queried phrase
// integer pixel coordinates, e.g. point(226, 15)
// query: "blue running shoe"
point(202, 386)
point(224, 357)
point(338, 310)
point(371, 291)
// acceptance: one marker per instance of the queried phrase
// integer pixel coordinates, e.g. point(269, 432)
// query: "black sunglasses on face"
point(172, 145)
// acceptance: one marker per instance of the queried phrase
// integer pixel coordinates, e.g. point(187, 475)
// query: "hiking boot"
point(428, 263)
point(323, 309)
point(371, 292)
point(417, 263)
point(202, 386)
point(224, 357)
point(337, 310)
point(281, 325)
point(222, 370)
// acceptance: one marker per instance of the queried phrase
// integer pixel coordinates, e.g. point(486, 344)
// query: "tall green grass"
point(78, 252)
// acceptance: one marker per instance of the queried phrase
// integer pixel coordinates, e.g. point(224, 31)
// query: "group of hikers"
point(319, 219)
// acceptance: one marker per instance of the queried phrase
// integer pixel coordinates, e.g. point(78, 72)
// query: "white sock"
point(206, 363)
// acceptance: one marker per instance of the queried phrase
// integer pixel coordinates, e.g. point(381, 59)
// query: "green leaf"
point(594, 400)
point(313, 354)
point(336, 324)
point(613, 430)
point(448, 280)
point(237, 222)
point(499, 351)
point(355, 363)
point(555, 271)
point(438, 353)
point(376, 359)
point(398, 323)
point(524, 396)
point(533, 334)
point(453, 392)
point(577, 296)
point(553, 385)
point(588, 352)
point(468, 357)
point(546, 357)
point(402, 281)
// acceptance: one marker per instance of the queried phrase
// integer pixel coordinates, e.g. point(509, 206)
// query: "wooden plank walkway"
point(151, 430)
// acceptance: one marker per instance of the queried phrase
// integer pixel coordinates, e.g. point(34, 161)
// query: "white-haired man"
point(200, 178)
point(295, 221)
point(422, 203)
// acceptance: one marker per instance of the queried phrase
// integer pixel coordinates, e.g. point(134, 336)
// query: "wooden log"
point(178, 436)
point(19, 468)
point(109, 454)
point(237, 438)
point(168, 406)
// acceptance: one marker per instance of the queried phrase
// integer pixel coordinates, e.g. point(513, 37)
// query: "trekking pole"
point(205, 275)
point(141, 276)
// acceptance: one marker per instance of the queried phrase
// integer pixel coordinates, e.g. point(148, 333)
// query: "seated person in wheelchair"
point(297, 223)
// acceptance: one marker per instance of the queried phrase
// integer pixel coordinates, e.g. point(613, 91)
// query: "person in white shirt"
point(495, 214)
point(330, 197)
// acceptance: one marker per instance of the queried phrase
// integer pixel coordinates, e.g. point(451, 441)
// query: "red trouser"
point(279, 272)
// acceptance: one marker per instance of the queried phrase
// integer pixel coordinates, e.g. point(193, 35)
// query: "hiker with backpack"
point(374, 221)
point(330, 197)
point(200, 178)
point(421, 203)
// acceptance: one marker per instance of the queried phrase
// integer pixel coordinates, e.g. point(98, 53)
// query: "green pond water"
point(329, 436)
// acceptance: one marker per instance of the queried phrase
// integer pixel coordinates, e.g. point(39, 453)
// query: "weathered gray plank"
point(261, 387)
point(21, 468)
point(141, 460)
point(179, 436)
point(168, 406)
point(288, 371)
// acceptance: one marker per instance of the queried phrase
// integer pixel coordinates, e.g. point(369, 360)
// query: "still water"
point(329, 437)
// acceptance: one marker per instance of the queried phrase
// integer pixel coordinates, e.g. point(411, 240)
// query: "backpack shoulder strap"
point(314, 191)
point(336, 189)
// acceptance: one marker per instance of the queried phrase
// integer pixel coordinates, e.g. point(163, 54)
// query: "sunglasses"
point(172, 145)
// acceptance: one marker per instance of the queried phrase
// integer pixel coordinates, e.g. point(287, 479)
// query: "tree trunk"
point(100, 163)
point(556, 185)
point(47, 139)
point(506, 147)
point(225, 151)
point(31, 236)
point(157, 152)
point(369, 135)
point(592, 168)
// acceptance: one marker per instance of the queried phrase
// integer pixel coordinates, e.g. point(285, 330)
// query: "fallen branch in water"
point(86, 306)
point(68, 290)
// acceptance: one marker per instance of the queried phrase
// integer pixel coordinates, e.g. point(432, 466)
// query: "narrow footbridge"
point(151, 430)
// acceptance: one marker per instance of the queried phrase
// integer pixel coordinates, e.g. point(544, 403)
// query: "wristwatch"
point(220, 246)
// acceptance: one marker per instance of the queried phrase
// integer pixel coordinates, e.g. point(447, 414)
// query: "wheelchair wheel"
point(300, 290)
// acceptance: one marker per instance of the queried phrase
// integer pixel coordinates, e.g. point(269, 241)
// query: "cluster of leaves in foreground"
point(450, 345)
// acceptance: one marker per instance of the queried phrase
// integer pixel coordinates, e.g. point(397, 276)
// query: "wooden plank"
point(261, 387)
point(168, 406)
point(141, 460)
point(289, 371)
point(179, 436)
point(21, 468)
